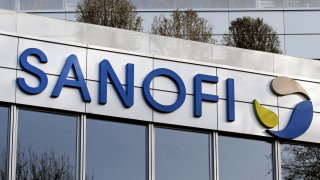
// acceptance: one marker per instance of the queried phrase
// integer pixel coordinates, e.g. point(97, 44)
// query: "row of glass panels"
point(47, 149)
point(163, 4)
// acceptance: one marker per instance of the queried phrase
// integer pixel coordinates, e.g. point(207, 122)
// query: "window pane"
point(46, 145)
point(4, 125)
point(242, 3)
point(71, 4)
point(245, 159)
point(116, 151)
point(300, 162)
point(7, 4)
point(41, 5)
point(191, 4)
point(181, 155)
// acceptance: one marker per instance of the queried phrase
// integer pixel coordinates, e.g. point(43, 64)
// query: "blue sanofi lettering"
point(106, 71)
point(177, 81)
point(38, 73)
point(125, 94)
point(79, 82)
point(199, 96)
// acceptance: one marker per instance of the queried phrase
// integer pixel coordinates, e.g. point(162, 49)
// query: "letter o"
point(177, 81)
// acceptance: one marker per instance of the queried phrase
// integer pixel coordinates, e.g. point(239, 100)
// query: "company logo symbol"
point(301, 116)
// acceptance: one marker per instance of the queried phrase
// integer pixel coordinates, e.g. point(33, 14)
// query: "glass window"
point(41, 5)
point(4, 126)
point(242, 3)
point(300, 162)
point(72, 4)
point(116, 150)
point(46, 145)
point(220, 3)
point(191, 4)
point(7, 4)
point(181, 155)
point(245, 159)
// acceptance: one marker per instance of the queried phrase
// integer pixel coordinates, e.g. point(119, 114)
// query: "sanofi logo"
point(301, 116)
point(299, 122)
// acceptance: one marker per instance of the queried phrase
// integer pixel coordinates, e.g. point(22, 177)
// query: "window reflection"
point(41, 5)
point(116, 151)
point(300, 162)
point(46, 146)
point(4, 125)
point(241, 158)
point(181, 155)
point(7, 4)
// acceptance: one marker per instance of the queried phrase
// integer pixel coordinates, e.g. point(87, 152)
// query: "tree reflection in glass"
point(46, 146)
point(300, 162)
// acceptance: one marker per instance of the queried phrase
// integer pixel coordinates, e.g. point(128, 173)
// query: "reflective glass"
point(181, 155)
point(242, 3)
point(46, 145)
point(159, 4)
point(305, 46)
point(241, 158)
point(300, 162)
point(192, 4)
point(71, 4)
point(7, 4)
point(41, 5)
point(271, 3)
point(71, 16)
point(116, 150)
point(4, 126)
point(220, 4)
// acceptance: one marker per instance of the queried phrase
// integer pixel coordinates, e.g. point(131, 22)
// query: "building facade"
point(294, 21)
point(81, 101)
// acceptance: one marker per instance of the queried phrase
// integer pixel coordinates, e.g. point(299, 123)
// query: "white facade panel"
point(313, 89)
point(114, 107)
point(142, 65)
point(69, 98)
point(184, 115)
point(248, 86)
point(57, 55)
point(8, 51)
point(245, 122)
point(187, 72)
point(8, 85)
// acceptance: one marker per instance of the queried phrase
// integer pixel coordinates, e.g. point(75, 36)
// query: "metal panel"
point(187, 73)
point(246, 121)
point(148, 19)
point(8, 51)
point(179, 48)
point(8, 84)
point(142, 65)
point(8, 21)
point(273, 18)
point(57, 55)
point(313, 89)
point(305, 46)
point(248, 86)
point(219, 21)
point(243, 58)
point(117, 38)
point(293, 66)
point(114, 107)
point(51, 28)
point(311, 135)
point(69, 99)
point(301, 22)
point(184, 115)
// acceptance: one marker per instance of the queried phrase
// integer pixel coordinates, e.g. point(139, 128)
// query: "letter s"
point(39, 74)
